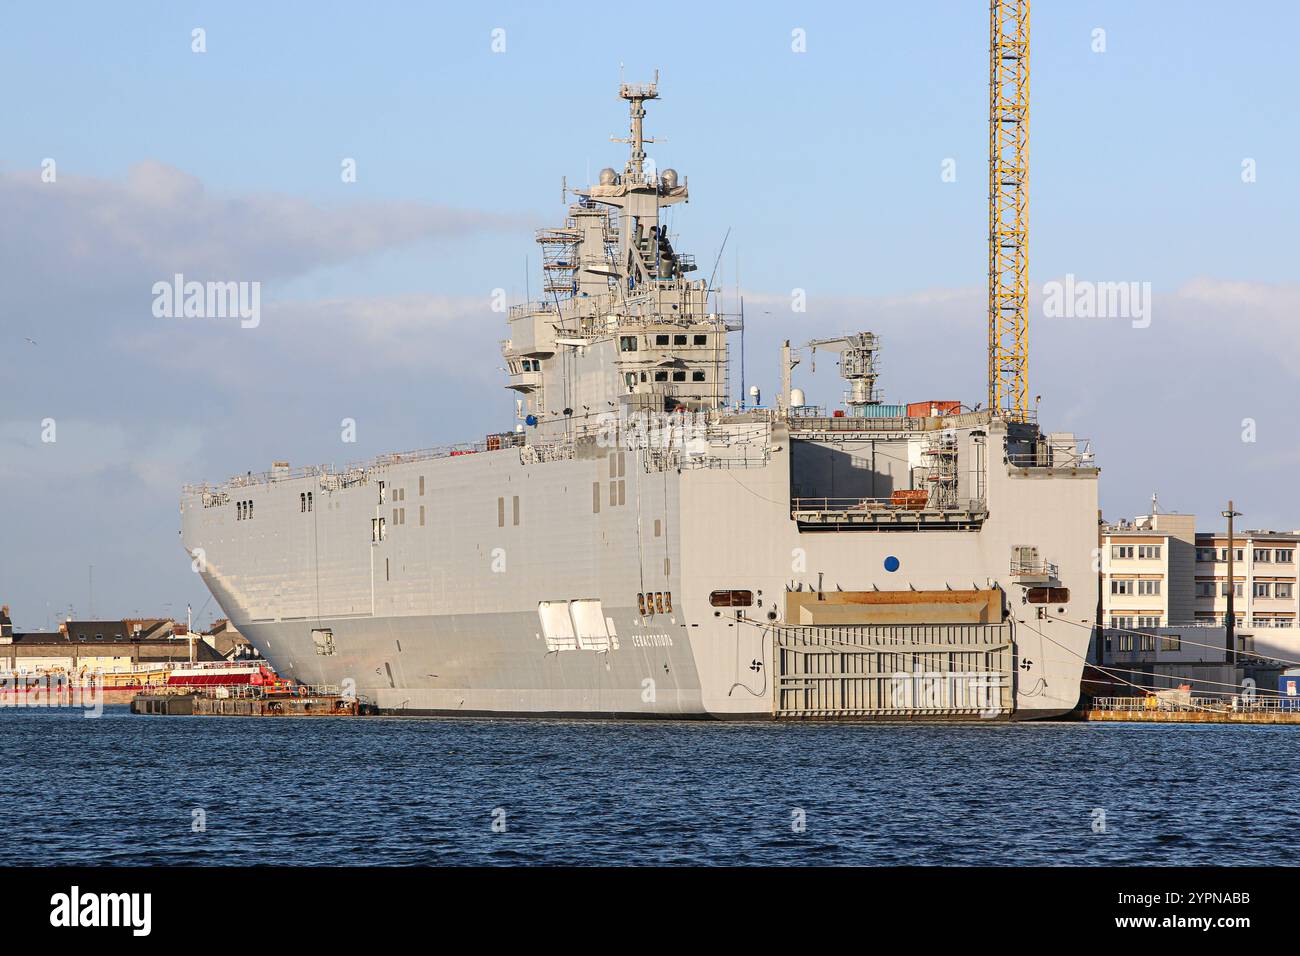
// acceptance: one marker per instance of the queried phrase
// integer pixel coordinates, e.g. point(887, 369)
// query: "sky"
point(1163, 152)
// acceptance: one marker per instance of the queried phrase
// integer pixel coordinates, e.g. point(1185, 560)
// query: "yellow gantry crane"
point(1009, 208)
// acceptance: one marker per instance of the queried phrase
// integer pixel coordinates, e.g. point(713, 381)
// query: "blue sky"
point(825, 165)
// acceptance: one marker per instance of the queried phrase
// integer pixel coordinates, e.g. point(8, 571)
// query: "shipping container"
point(880, 411)
point(1288, 685)
point(927, 409)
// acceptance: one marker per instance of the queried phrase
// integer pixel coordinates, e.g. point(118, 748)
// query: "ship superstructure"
point(641, 544)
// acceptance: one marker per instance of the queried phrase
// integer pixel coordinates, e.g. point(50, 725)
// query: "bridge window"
point(661, 376)
point(661, 340)
point(731, 598)
point(697, 376)
point(627, 343)
point(679, 340)
point(1048, 595)
point(679, 376)
point(701, 340)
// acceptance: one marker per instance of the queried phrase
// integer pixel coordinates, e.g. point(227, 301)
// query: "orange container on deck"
point(913, 499)
point(927, 409)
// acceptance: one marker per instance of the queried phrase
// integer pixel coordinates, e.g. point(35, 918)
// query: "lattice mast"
point(1009, 207)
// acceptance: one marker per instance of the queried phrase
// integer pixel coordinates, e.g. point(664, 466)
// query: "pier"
point(325, 703)
point(1194, 710)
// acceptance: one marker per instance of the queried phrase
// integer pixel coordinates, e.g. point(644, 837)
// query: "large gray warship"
point(642, 545)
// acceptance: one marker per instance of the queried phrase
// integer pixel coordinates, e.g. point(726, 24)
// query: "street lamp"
point(1230, 623)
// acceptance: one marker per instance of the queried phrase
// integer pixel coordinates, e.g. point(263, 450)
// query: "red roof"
point(211, 680)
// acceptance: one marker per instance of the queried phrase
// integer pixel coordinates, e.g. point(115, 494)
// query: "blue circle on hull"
point(891, 564)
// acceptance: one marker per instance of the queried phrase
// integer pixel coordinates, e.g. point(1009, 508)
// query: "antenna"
point(721, 249)
point(742, 349)
point(636, 94)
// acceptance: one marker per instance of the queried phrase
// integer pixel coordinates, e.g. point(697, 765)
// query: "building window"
point(1149, 620)
point(1236, 590)
point(1149, 586)
point(1284, 556)
point(1263, 589)
point(1149, 552)
point(1204, 554)
point(1126, 642)
point(1205, 589)
point(1171, 642)
point(1147, 642)
point(627, 343)
point(1263, 555)
point(1282, 589)
point(1121, 551)
point(1121, 586)
point(1238, 554)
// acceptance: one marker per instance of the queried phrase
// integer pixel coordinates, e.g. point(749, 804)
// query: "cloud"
point(103, 237)
point(322, 343)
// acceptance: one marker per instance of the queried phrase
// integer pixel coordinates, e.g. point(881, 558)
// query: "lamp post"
point(1230, 622)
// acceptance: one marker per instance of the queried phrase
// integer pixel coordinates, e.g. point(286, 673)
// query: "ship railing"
point(662, 459)
point(808, 411)
point(897, 503)
point(530, 308)
point(253, 478)
point(1034, 569)
point(855, 423)
point(355, 472)
point(1216, 705)
point(1058, 453)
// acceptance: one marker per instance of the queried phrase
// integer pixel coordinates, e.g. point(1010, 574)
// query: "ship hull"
point(501, 584)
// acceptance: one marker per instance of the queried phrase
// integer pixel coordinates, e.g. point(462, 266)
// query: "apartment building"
point(1157, 571)
point(1264, 573)
point(1148, 567)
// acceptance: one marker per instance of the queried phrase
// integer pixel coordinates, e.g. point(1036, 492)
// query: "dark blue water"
point(121, 790)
